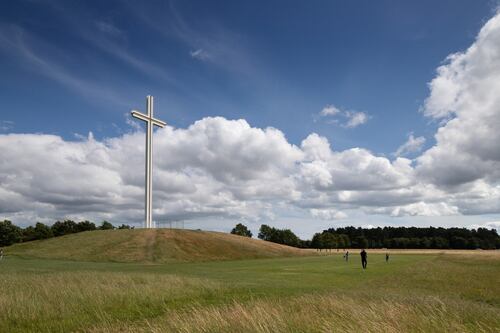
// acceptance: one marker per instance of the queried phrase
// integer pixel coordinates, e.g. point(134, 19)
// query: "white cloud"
point(412, 145)
point(216, 167)
point(328, 214)
point(487, 225)
point(425, 209)
point(354, 119)
point(329, 110)
point(347, 119)
point(464, 95)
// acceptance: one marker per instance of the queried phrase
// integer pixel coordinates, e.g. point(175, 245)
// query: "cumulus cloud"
point(412, 145)
point(464, 96)
point(346, 119)
point(215, 167)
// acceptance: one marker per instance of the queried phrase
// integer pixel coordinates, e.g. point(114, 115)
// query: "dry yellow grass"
point(325, 313)
point(154, 246)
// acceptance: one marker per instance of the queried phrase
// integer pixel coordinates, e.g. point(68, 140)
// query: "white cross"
point(150, 121)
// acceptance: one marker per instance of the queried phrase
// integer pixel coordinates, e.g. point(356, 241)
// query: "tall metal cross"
point(150, 121)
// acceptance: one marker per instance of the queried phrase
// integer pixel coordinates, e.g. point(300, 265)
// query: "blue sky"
point(273, 63)
point(360, 74)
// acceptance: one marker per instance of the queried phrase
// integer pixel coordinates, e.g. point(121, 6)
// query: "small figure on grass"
point(387, 257)
point(346, 256)
point(364, 260)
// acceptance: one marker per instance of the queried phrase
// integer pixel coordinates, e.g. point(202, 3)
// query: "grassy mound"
point(153, 246)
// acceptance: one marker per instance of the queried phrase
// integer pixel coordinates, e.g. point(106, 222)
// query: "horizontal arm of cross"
point(143, 117)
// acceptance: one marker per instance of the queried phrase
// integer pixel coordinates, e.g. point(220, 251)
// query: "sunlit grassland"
point(152, 246)
point(411, 293)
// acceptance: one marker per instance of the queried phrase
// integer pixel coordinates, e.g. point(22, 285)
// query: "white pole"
point(149, 143)
point(150, 123)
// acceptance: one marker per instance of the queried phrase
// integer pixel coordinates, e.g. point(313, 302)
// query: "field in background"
point(474, 253)
point(411, 293)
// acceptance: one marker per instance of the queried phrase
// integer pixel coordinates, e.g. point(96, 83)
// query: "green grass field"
point(411, 293)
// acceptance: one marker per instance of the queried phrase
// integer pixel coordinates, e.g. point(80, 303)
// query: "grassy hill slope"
point(153, 245)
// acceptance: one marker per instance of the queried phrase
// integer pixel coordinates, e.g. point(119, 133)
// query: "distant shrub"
point(280, 236)
point(9, 233)
point(241, 230)
point(64, 228)
point(106, 226)
point(85, 226)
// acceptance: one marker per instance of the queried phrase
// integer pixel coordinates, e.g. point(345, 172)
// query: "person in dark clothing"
point(364, 261)
point(346, 256)
point(387, 257)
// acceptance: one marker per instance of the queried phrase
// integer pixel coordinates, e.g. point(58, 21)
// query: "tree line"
point(386, 237)
point(10, 233)
point(339, 238)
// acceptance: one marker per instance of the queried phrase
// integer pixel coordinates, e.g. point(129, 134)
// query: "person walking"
point(346, 256)
point(364, 260)
point(386, 257)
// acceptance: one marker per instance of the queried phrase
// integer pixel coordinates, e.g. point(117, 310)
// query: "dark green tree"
point(9, 233)
point(42, 231)
point(317, 241)
point(64, 228)
point(85, 226)
point(241, 230)
point(106, 226)
point(28, 234)
point(284, 236)
point(39, 231)
point(287, 237)
point(360, 242)
point(266, 232)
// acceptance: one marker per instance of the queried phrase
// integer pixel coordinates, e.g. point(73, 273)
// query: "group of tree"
point(386, 237)
point(241, 230)
point(409, 238)
point(10, 233)
point(280, 236)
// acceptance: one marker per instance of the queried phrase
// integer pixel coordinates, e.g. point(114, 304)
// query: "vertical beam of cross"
point(150, 123)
